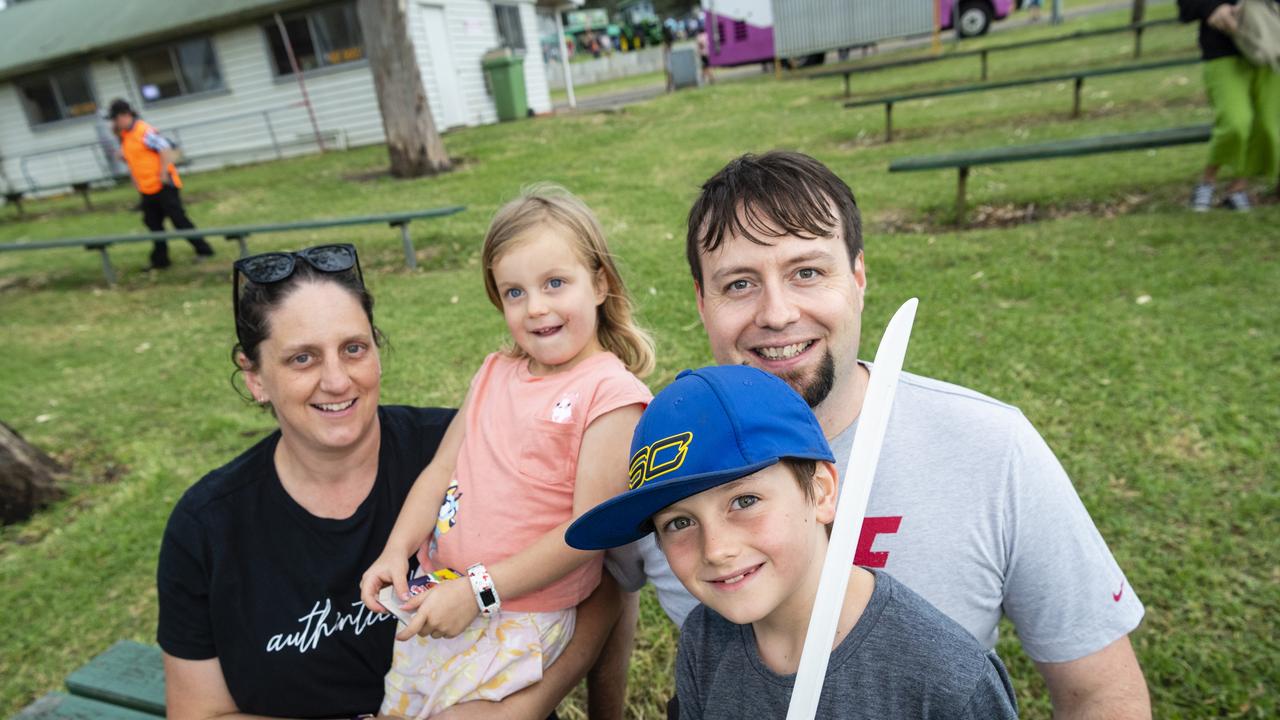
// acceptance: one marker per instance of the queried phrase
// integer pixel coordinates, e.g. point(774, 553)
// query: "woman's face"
point(319, 368)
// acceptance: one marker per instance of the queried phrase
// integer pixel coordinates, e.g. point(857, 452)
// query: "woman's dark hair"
point(259, 301)
point(765, 197)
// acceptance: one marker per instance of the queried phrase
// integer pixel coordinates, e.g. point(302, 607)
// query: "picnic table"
point(240, 233)
point(126, 682)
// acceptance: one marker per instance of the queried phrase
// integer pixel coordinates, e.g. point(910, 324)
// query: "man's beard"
point(815, 389)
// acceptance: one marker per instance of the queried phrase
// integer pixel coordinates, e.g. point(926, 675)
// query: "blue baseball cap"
point(707, 428)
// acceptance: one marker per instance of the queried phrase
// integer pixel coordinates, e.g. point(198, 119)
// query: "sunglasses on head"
point(274, 267)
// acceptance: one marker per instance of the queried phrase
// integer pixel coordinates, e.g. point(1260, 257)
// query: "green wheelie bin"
point(505, 74)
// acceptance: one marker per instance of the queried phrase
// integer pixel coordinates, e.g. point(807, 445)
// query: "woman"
point(1246, 107)
point(260, 610)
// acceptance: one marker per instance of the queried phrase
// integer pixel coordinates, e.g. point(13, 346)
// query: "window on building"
point(183, 68)
point(510, 31)
point(320, 38)
point(58, 95)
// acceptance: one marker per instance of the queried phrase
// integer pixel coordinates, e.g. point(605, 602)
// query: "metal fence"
point(253, 136)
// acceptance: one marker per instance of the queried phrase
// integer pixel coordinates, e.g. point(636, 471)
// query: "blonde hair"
point(550, 204)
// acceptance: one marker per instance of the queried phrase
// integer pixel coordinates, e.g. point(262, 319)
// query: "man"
point(970, 508)
point(151, 160)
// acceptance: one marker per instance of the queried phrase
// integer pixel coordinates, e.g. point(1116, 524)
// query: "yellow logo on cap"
point(645, 464)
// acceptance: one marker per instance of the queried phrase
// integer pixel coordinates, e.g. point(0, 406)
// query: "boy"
point(731, 470)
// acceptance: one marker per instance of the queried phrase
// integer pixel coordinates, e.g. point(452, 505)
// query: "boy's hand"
point(386, 570)
point(443, 611)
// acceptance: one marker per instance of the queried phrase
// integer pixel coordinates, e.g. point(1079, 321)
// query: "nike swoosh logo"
point(1116, 595)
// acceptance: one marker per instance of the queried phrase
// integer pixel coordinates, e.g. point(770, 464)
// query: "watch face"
point(486, 597)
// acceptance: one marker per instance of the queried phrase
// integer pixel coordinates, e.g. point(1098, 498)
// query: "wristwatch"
point(482, 586)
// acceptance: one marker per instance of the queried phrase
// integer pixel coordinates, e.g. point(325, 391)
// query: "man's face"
point(792, 308)
point(122, 122)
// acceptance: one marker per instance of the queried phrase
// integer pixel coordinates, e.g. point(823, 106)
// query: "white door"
point(446, 102)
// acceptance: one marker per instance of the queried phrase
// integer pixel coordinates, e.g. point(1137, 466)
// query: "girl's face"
point(549, 299)
point(319, 368)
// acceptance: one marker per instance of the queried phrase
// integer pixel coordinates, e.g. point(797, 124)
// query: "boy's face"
point(748, 547)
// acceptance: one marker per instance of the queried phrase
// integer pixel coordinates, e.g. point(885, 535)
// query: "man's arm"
point(168, 158)
point(1107, 685)
point(607, 681)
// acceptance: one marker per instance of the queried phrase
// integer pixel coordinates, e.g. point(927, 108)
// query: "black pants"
point(168, 204)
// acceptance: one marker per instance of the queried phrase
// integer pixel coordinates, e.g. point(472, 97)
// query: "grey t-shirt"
point(903, 659)
point(971, 510)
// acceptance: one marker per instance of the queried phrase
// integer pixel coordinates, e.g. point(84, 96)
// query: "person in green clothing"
point(1246, 107)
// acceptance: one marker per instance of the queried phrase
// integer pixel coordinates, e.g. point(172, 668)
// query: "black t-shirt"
point(248, 576)
point(1213, 42)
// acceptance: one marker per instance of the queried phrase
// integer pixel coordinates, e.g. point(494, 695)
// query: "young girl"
point(542, 436)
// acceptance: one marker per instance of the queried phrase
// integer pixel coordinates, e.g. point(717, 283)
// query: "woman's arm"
point(417, 517)
point(602, 473)
point(197, 690)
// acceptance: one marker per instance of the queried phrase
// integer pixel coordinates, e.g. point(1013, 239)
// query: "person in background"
point(1246, 107)
point(151, 159)
point(704, 55)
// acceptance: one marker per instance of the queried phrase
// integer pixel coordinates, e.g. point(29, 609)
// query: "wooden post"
point(1075, 108)
point(244, 247)
point(960, 195)
point(410, 257)
point(846, 83)
point(983, 55)
point(564, 57)
point(1137, 42)
point(107, 271)
point(888, 122)
point(83, 189)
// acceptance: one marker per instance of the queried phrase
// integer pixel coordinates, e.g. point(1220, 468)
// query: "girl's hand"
point(386, 570)
point(443, 611)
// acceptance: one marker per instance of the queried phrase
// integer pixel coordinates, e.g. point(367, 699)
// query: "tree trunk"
point(412, 141)
point(1139, 11)
point(28, 477)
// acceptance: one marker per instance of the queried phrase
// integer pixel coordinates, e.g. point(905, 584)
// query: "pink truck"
point(976, 16)
point(741, 31)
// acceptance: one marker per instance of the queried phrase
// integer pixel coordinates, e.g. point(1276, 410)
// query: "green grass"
point(1165, 413)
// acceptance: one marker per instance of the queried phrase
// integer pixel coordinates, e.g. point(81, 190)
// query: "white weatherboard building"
point(216, 77)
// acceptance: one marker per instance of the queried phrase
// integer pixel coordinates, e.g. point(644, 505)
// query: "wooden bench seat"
point(982, 53)
point(240, 233)
point(126, 682)
point(1078, 76)
point(1076, 147)
point(14, 196)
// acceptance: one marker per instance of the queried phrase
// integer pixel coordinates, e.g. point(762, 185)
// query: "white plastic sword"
point(851, 508)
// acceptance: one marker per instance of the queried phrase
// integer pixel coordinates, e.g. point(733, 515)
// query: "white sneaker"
point(1238, 201)
point(1202, 197)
